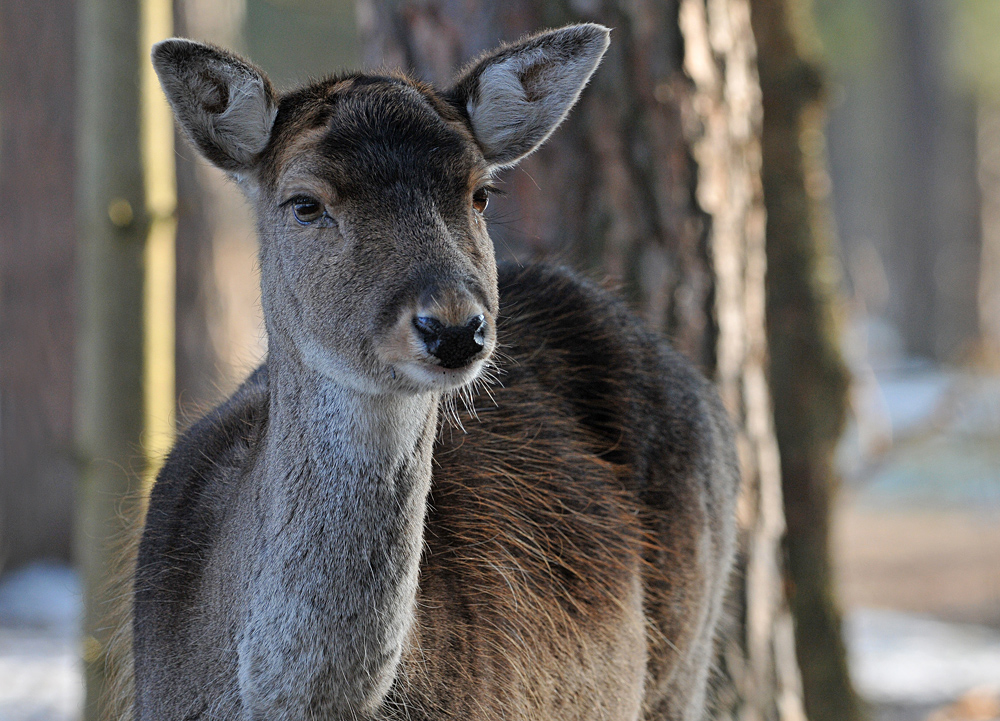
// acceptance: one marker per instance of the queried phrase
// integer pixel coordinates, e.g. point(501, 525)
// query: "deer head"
point(369, 191)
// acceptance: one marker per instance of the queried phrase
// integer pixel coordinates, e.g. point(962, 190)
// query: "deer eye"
point(480, 199)
point(307, 210)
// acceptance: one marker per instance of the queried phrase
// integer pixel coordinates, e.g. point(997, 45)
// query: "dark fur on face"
point(397, 167)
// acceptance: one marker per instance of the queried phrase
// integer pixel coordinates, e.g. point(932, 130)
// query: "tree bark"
point(654, 183)
point(37, 95)
point(808, 378)
point(759, 657)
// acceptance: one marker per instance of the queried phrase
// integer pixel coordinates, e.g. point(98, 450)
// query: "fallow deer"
point(317, 547)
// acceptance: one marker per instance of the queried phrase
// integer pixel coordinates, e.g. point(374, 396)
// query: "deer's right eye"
point(307, 210)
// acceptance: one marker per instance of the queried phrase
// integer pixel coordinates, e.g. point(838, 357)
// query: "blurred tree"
point(934, 254)
point(37, 235)
point(124, 365)
point(988, 144)
point(112, 226)
point(654, 182)
point(976, 56)
point(808, 378)
point(198, 364)
point(903, 159)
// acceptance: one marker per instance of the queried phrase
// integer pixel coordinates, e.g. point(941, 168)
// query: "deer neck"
point(343, 483)
point(346, 431)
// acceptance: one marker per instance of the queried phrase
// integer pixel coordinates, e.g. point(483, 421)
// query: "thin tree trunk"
point(653, 182)
point(988, 142)
point(932, 256)
point(37, 237)
point(807, 374)
point(199, 368)
point(113, 229)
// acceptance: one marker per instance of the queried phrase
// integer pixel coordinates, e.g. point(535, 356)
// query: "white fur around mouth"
point(435, 377)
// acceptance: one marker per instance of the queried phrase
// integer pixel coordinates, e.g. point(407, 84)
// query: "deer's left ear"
point(225, 104)
point(517, 95)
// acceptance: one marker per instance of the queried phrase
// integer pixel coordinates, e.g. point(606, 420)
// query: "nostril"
point(478, 327)
point(427, 326)
point(429, 330)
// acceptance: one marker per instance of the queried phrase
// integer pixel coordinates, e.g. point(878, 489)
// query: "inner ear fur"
point(225, 104)
point(517, 95)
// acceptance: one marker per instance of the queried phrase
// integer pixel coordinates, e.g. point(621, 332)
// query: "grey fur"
point(226, 105)
point(516, 99)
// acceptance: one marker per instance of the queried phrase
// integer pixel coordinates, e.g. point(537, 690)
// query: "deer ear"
point(517, 95)
point(225, 105)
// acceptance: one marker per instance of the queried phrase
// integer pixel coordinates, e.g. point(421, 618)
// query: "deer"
point(318, 546)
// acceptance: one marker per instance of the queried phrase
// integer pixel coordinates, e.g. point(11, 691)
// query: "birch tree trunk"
point(654, 183)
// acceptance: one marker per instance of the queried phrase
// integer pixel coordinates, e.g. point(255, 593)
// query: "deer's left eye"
point(307, 210)
point(480, 199)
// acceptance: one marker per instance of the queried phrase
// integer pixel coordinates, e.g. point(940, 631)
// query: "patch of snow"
point(911, 397)
point(911, 659)
point(41, 676)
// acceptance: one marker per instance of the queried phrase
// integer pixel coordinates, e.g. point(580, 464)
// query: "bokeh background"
point(903, 179)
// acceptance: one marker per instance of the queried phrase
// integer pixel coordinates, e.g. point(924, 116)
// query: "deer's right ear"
point(225, 105)
point(516, 96)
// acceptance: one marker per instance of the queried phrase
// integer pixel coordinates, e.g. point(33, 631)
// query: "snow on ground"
point(898, 658)
point(40, 675)
point(40, 672)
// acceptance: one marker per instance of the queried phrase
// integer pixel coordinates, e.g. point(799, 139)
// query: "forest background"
point(869, 130)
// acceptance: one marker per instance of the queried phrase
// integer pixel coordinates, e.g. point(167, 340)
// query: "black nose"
point(453, 345)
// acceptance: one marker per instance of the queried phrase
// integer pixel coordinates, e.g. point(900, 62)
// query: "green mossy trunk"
point(112, 227)
point(808, 378)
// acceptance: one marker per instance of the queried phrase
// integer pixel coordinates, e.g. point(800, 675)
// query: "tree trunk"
point(808, 378)
point(988, 142)
point(125, 197)
point(932, 254)
point(199, 367)
point(653, 182)
point(37, 236)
